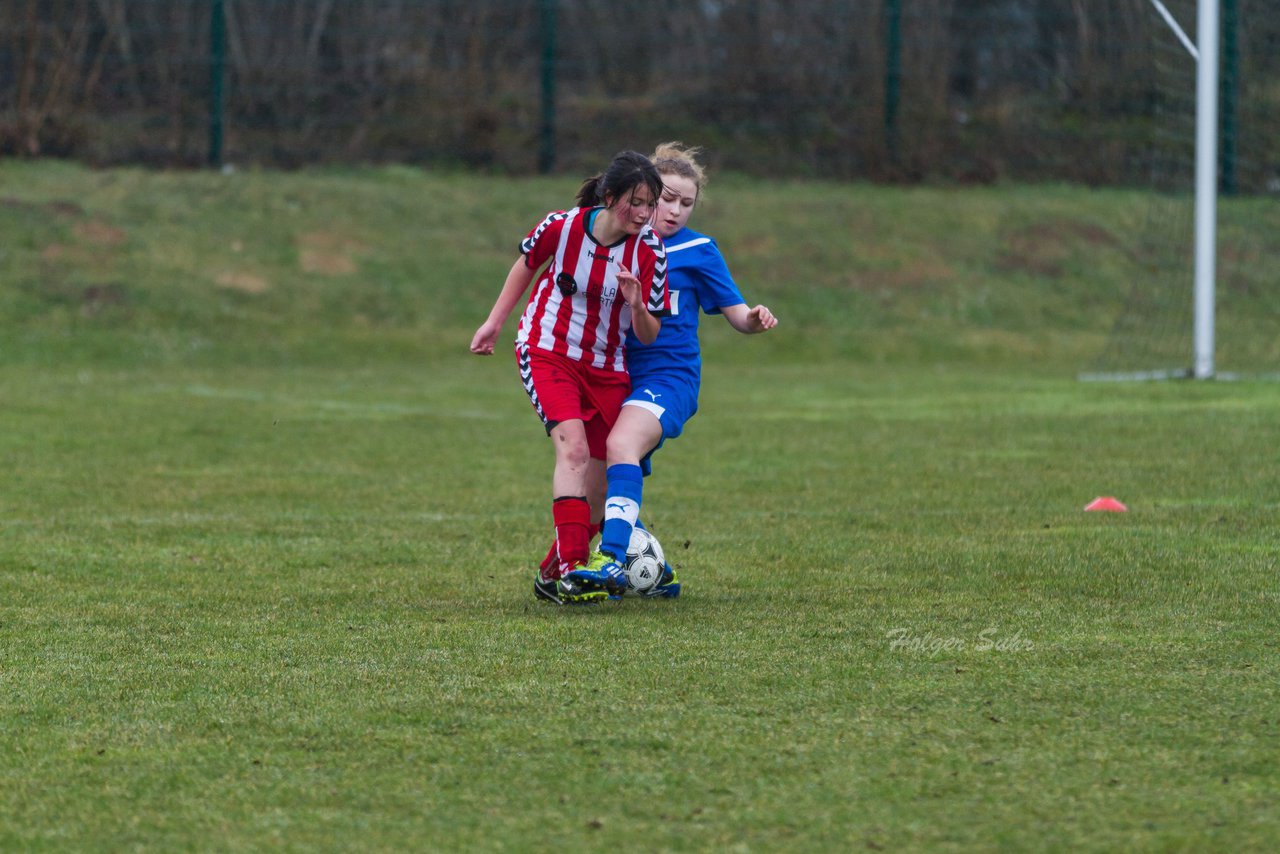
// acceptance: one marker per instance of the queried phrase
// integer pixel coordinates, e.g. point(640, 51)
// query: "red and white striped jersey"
point(575, 309)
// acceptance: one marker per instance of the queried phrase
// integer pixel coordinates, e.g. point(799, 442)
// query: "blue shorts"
point(672, 401)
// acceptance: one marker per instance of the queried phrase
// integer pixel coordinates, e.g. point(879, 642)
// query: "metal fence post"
point(547, 152)
point(217, 80)
point(1228, 99)
point(892, 75)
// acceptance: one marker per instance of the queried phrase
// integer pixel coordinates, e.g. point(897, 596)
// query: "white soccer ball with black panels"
point(644, 562)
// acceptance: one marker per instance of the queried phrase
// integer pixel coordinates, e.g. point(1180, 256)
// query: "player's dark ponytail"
point(628, 170)
point(589, 192)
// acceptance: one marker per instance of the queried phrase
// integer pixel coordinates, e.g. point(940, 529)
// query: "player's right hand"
point(482, 342)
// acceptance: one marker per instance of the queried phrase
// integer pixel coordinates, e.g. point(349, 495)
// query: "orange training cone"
point(1106, 503)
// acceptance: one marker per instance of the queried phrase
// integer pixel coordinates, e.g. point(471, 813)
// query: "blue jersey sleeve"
point(715, 286)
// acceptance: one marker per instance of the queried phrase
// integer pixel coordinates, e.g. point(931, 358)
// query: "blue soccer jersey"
point(666, 375)
point(697, 279)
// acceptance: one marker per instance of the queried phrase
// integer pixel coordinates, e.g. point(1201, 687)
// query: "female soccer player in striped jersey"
point(666, 373)
point(604, 277)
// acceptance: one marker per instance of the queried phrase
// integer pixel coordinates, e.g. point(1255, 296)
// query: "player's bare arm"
point(513, 288)
point(749, 320)
point(646, 326)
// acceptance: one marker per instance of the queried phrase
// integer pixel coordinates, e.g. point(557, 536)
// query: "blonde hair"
point(676, 158)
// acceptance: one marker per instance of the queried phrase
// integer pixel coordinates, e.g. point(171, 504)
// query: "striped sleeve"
point(540, 244)
point(659, 298)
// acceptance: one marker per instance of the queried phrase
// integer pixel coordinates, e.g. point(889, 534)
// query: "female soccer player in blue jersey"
point(665, 375)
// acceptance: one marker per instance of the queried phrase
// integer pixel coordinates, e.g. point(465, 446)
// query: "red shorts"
point(562, 389)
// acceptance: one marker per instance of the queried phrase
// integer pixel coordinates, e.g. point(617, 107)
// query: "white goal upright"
point(1208, 16)
point(1204, 53)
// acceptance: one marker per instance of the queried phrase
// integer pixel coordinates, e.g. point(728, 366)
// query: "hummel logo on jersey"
point(602, 256)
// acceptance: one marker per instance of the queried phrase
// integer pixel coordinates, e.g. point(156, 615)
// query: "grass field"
point(267, 531)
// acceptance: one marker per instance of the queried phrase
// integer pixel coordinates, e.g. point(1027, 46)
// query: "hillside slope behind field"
point(127, 266)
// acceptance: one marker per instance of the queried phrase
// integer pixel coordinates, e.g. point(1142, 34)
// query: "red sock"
point(552, 559)
point(553, 554)
point(572, 516)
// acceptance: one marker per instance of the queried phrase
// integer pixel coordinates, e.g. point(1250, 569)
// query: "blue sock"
point(621, 508)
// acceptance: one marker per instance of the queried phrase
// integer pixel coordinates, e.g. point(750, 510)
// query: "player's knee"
point(630, 446)
point(619, 449)
point(573, 451)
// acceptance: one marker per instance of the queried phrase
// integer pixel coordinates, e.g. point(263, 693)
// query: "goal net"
point(1153, 335)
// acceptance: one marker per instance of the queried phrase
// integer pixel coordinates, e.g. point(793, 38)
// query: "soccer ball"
point(644, 562)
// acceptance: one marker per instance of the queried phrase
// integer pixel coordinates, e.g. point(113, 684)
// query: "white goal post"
point(1207, 15)
point(1205, 54)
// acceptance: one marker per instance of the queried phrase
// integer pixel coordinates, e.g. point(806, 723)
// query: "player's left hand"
point(630, 288)
point(761, 318)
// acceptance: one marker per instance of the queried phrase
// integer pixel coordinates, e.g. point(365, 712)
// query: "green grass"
point(265, 557)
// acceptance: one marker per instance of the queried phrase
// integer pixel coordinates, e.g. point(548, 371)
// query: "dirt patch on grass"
point(65, 257)
point(1044, 248)
point(921, 274)
point(99, 232)
point(327, 254)
point(61, 209)
point(242, 281)
point(54, 252)
point(97, 298)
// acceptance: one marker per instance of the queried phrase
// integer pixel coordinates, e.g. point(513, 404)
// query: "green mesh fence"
point(969, 90)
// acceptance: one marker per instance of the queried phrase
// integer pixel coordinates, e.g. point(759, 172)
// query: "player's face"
point(679, 195)
point(635, 209)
